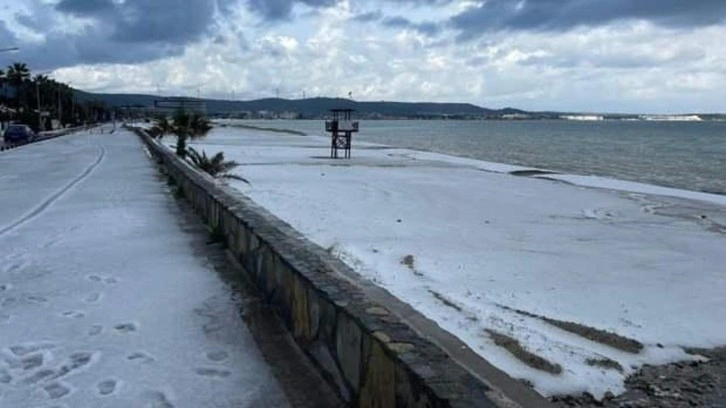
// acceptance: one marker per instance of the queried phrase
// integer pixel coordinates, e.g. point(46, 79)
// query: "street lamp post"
point(7, 49)
point(73, 104)
point(37, 95)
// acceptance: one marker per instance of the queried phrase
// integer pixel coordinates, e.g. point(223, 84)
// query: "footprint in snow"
point(76, 362)
point(73, 314)
point(95, 330)
point(125, 327)
point(31, 362)
point(92, 298)
point(109, 280)
point(212, 372)
point(217, 356)
point(158, 399)
point(106, 387)
point(56, 390)
point(16, 266)
point(141, 357)
point(25, 349)
point(39, 376)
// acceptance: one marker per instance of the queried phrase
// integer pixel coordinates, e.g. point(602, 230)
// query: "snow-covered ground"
point(102, 303)
point(476, 249)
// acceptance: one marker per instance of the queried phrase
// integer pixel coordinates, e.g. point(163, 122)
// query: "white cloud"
point(624, 66)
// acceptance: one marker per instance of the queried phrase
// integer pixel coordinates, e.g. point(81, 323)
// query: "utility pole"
point(60, 106)
point(37, 95)
point(73, 104)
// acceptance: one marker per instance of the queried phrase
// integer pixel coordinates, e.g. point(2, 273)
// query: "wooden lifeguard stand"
point(341, 128)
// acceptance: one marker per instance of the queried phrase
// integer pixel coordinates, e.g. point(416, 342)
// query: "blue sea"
point(685, 155)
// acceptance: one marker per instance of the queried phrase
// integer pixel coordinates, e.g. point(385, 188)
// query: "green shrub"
point(215, 166)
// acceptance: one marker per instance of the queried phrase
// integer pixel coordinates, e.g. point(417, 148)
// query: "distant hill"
point(314, 107)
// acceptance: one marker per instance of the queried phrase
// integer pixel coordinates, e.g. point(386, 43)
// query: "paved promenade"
point(108, 296)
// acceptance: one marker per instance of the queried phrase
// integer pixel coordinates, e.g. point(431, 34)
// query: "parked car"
point(19, 134)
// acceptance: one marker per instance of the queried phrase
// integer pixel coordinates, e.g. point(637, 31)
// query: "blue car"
point(19, 134)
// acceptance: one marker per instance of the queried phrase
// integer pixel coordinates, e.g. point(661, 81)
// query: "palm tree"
point(18, 73)
point(215, 166)
point(199, 125)
point(188, 126)
point(162, 127)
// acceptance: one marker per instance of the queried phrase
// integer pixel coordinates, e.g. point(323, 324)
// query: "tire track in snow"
point(57, 195)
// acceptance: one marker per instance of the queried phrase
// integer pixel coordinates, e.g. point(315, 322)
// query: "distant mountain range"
point(314, 107)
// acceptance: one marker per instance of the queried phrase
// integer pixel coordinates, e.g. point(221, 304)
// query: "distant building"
point(189, 105)
point(583, 117)
point(673, 118)
point(288, 115)
point(516, 116)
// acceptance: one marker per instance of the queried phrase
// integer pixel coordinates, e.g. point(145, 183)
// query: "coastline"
point(292, 179)
point(481, 253)
point(500, 142)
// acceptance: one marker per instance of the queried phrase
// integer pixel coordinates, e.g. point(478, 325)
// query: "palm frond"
point(234, 177)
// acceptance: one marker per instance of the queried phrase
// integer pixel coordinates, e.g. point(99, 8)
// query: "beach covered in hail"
point(568, 282)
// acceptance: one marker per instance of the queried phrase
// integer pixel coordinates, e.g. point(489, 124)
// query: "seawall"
point(361, 346)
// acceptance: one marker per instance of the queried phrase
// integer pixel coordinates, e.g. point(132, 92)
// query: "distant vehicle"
point(19, 134)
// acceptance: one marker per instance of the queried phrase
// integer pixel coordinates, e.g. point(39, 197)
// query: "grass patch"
point(513, 346)
point(410, 262)
point(597, 335)
point(604, 363)
point(441, 298)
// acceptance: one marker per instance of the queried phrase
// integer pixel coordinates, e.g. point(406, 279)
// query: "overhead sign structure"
point(185, 104)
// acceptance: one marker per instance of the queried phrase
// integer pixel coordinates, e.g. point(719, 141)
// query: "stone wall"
point(366, 352)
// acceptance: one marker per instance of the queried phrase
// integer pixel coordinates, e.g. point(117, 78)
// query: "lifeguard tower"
point(341, 128)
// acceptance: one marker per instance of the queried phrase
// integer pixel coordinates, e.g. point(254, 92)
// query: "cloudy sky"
point(574, 55)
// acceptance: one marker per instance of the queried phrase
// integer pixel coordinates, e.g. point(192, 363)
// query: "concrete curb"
point(361, 346)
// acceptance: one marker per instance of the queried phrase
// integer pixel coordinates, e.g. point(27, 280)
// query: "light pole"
point(7, 49)
point(73, 104)
point(37, 94)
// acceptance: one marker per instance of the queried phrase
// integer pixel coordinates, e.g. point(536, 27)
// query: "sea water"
point(686, 155)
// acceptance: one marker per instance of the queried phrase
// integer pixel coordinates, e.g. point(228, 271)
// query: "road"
point(109, 295)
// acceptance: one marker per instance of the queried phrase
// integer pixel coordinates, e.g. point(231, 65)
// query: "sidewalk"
point(104, 302)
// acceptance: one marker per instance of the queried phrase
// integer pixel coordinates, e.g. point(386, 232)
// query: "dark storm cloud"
point(131, 31)
point(85, 7)
point(368, 17)
point(160, 21)
point(427, 28)
point(560, 15)
point(281, 9)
